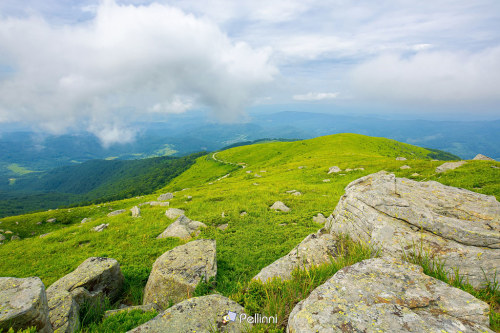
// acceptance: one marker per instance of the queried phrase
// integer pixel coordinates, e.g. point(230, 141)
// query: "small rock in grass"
point(101, 227)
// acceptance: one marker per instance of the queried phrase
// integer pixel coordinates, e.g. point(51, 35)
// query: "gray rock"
point(136, 211)
point(223, 226)
point(94, 279)
point(291, 191)
point(297, 193)
point(257, 175)
point(383, 295)
point(44, 235)
point(415, 174)
point(449, 166)
point(143, 308)
point(159, 203)
point(165, 197)
point(85, 220)
point(401, 216)
point(405, 167)
point(52, 220)
point(101, 227)
point(334, 169)
point(278, 205)
point(177, 272)
point(320, 218)
point(23, 304)
point(173, 213)
point(256, 184)
point(243, 214)
point(203, 314)
point(183, 227)
point(482, 157)
point(326, 180)
point(15, 237)
point(39, 223)
point(2, 237)
point(8, 232)
point(314, 250)
point(400, 158)
point(117, 212)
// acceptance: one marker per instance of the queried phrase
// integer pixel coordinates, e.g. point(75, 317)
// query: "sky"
point(100, 66)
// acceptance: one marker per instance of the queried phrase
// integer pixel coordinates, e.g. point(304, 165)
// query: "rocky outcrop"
point(400, 216)
point(183, 227)
point(165, 196)
point(334, 169)
point(94, 279)
point(384, 295)
point(23, 304)
point(278, 205)
point(173, 213)
point(314, 250)
point(135, 211)
point(449, 166)
point(199, 314)
point(117, 212)
point(481, 157)
point(177, 272)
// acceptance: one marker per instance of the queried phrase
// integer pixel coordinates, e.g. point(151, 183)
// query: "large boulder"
point(183, 227)
point(199, 314)
point(314, 250)
point(402, 217)
point(94, 279)
point(449, 166)
point(278, 205)
point(173, 213)
point(481, 157)
point(23, 304)
point(385, 295)
point(177, 272)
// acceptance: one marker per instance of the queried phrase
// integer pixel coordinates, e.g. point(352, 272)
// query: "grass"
point(18, 170)
point(120, 322)
point(250, 242)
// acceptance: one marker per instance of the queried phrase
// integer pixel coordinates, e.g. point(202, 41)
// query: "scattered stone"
point(400, 158)
point(17, 223)
point(189, 197)
point(291, 191)
point(482, 157)
point(94, 279)
point(263, 171)
point(165, 197)
point(301, 167)
point(159, 203)
point(257, 175)
point(101, 227)
point(177, 272)
point(2, 238)
point(223, 226)
point(85, 220)
point(173, 213)
point(314, 250)
point(383, 295)
point(243, 214)
point(44, 235)
point(278, 205)
point(33, 233)
point(405, 167)
point(283, 224)
point(248, 171)
point(136, 211)
point(225, 176)
point(360, 169)
point(144, 308)
point(449, 166)
point(296, 193)
point(256, 184)
point(495, 167)
point(459, 227)
point(326, 180)
point(415, 174)
point(52, 220)
point(23, 304)
point(348, 170)
point(8, 232)
point(116, 212)
point(223, 215)
point(334, 169)
point(183, 227)
point(15, 237)
point(198, 314)
point(320, 218)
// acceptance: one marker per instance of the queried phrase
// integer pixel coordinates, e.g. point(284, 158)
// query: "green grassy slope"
point(250, 242)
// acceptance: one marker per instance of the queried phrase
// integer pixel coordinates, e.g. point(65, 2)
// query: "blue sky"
point(101, 65)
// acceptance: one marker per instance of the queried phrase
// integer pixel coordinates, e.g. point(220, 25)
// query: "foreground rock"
point(165, 196)
point(177, 272)
point(173, 213)
point(94, 279)
point(400, 216)
point(383, 295)
point(278, 205)
point(199, 314)
point(314, 250)
point(449, 166)
point(481, 157)
point(23, 304)
point(183, 227)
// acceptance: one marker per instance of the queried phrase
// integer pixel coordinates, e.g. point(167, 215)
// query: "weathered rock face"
point(482, 157)
point(23, 304)
point(183, 227)
point(165, 196)
point(177, 272)
point(398, 216)
point(136, 211)
point(383, 295)
point(278, 205)
point(199, 314)
point(314, 250)
point(93, 279)
point(449, 166)
point(173, 213)
point(117, 212)
point(334, 169)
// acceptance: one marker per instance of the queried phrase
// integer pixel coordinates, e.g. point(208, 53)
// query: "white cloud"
point(315, 96)
point(125, 61)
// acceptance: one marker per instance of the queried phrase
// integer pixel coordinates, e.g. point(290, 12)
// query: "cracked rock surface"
point(401, 217)
point(387, 295)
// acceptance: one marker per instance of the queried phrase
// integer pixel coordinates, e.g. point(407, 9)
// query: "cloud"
point(315, 96)
point(125, 61)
